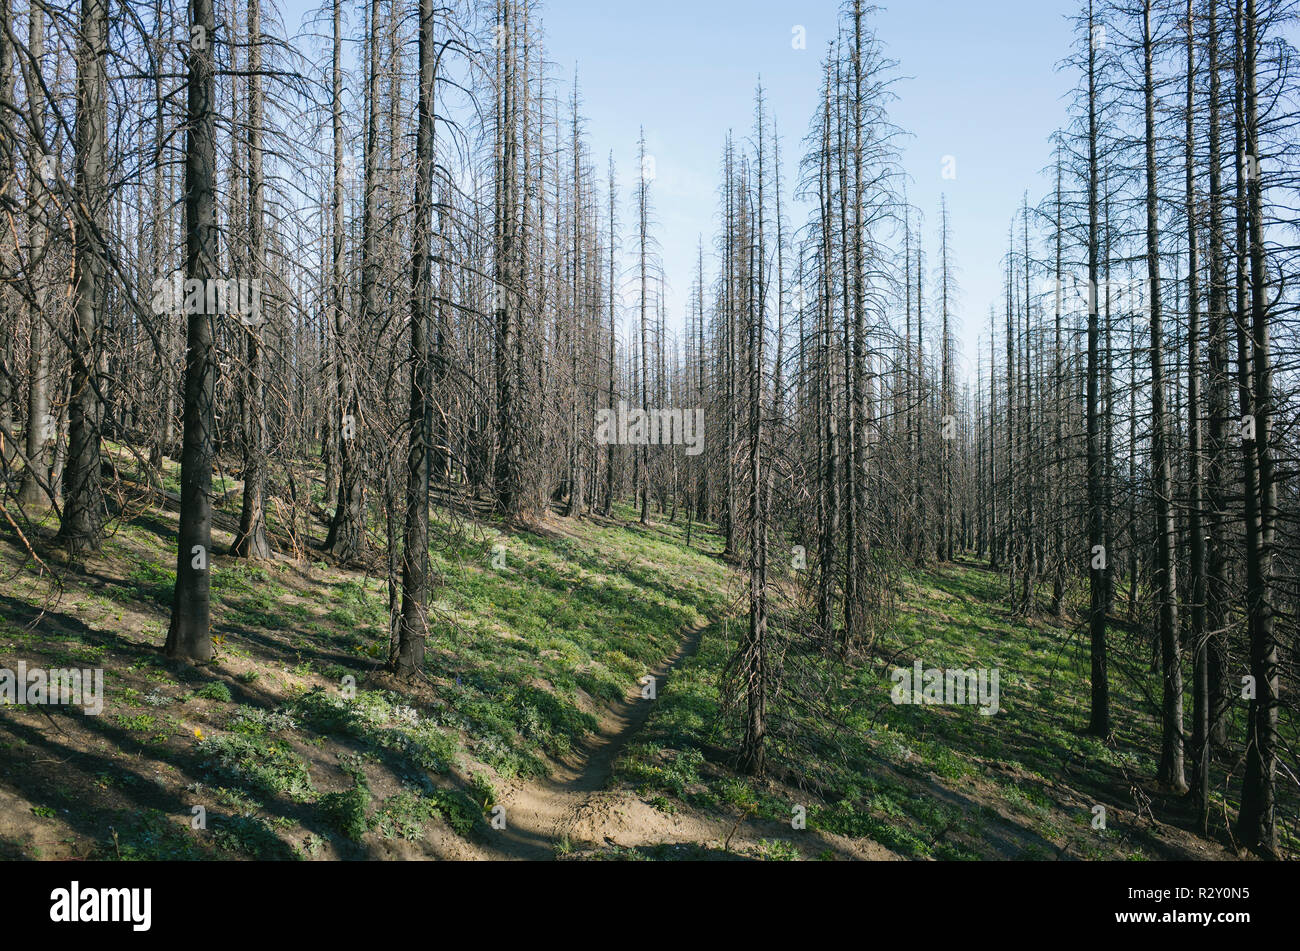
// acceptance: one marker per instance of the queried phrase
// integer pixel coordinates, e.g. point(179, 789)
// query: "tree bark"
point(189, 634)
point(82, 526)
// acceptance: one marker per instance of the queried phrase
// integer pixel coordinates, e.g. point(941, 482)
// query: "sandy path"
point(573, 805)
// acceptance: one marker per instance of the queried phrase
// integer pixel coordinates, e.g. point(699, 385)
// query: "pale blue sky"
point(977, 82)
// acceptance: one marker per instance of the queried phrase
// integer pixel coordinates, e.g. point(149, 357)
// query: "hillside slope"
point(533, 735)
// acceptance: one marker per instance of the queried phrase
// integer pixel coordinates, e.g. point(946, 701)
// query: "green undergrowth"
point(292, 741)
point(922, 780)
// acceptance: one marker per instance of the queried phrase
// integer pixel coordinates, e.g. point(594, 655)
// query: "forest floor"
point(535, 734)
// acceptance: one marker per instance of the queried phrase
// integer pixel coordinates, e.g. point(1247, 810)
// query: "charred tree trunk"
point(83, 499)
point(189, 635)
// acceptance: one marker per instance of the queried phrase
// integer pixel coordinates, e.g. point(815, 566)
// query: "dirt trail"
point(573, 806)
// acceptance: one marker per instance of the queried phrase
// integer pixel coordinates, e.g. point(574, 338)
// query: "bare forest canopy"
point(374, 269)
